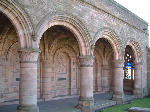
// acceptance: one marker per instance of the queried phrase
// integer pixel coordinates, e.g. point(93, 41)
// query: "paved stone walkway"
point(64, 105)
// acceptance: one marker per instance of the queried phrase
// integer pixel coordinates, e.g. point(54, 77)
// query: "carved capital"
point(29, 55)
point(118, 63)
point(86, 61)
point(106, 67)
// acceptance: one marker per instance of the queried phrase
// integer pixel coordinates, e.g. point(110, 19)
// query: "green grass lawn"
point(145, 103)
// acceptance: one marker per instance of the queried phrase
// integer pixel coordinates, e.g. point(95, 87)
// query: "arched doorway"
point(59, 52)
point(103, 66)
point(9, 61)
point(129, 68)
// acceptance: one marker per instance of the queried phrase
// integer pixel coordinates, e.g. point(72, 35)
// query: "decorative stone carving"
point(88, 22)
point(86, 61)
point(19, 19)
point(29, 55)
point(72, 23)
point(113, 38)
point(137, 50)
point(62, 70)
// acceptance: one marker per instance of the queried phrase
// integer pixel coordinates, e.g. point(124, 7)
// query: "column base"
point(138, 93)
point(86, 105)
point(32, 108)
point(119, 98)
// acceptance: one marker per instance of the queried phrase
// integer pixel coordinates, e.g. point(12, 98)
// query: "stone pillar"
point(106, 78)
point(46, 79)
point(138, 80)
point(28, 81)
point(86, 101)
point(118, 93)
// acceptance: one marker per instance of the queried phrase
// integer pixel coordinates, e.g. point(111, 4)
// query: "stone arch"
point(20, 20)
point(136, 49)
point(52, 50)
point(67, 49)
point(136, 86)
point(13, 45)
point(112, 38)
point(70, 22)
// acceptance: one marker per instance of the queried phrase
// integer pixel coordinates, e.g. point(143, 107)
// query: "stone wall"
point(58, 64)
point(95, 17)
point(148, 70)
point(9, 62)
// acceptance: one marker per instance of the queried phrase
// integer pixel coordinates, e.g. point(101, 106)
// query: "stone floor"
point(63, 105)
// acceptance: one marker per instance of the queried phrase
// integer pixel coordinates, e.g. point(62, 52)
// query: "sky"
point(139, 7)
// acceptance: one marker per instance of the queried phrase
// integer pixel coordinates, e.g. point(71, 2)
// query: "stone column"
point(138, 80)
point(46, 79)
point(28, 81)
point(118, 93)
point(106, 78)
point(86, 101)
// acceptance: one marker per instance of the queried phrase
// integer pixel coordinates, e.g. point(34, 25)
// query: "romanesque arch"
point(133, 76)
point(59, 58)
point(70, 22)
point(20, 21)
point(136, 49)
point(16, 34)
point(112, 38)
point(112, 61)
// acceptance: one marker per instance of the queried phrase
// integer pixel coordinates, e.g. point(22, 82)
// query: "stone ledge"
point(138, 109)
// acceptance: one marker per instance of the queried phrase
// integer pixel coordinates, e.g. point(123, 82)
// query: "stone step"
point(104, 104)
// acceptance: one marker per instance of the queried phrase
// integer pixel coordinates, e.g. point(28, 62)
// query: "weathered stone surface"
point(148, 70)
point(69, 33)
point(139, 109)
point(118, 81)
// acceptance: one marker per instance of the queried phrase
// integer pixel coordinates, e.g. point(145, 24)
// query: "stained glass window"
point(129, 65)
point(128, 70)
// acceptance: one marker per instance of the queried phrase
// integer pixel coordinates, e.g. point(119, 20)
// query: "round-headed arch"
point(70, 22)
point(136, 49)
point(20, 21)
point(113, 39)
